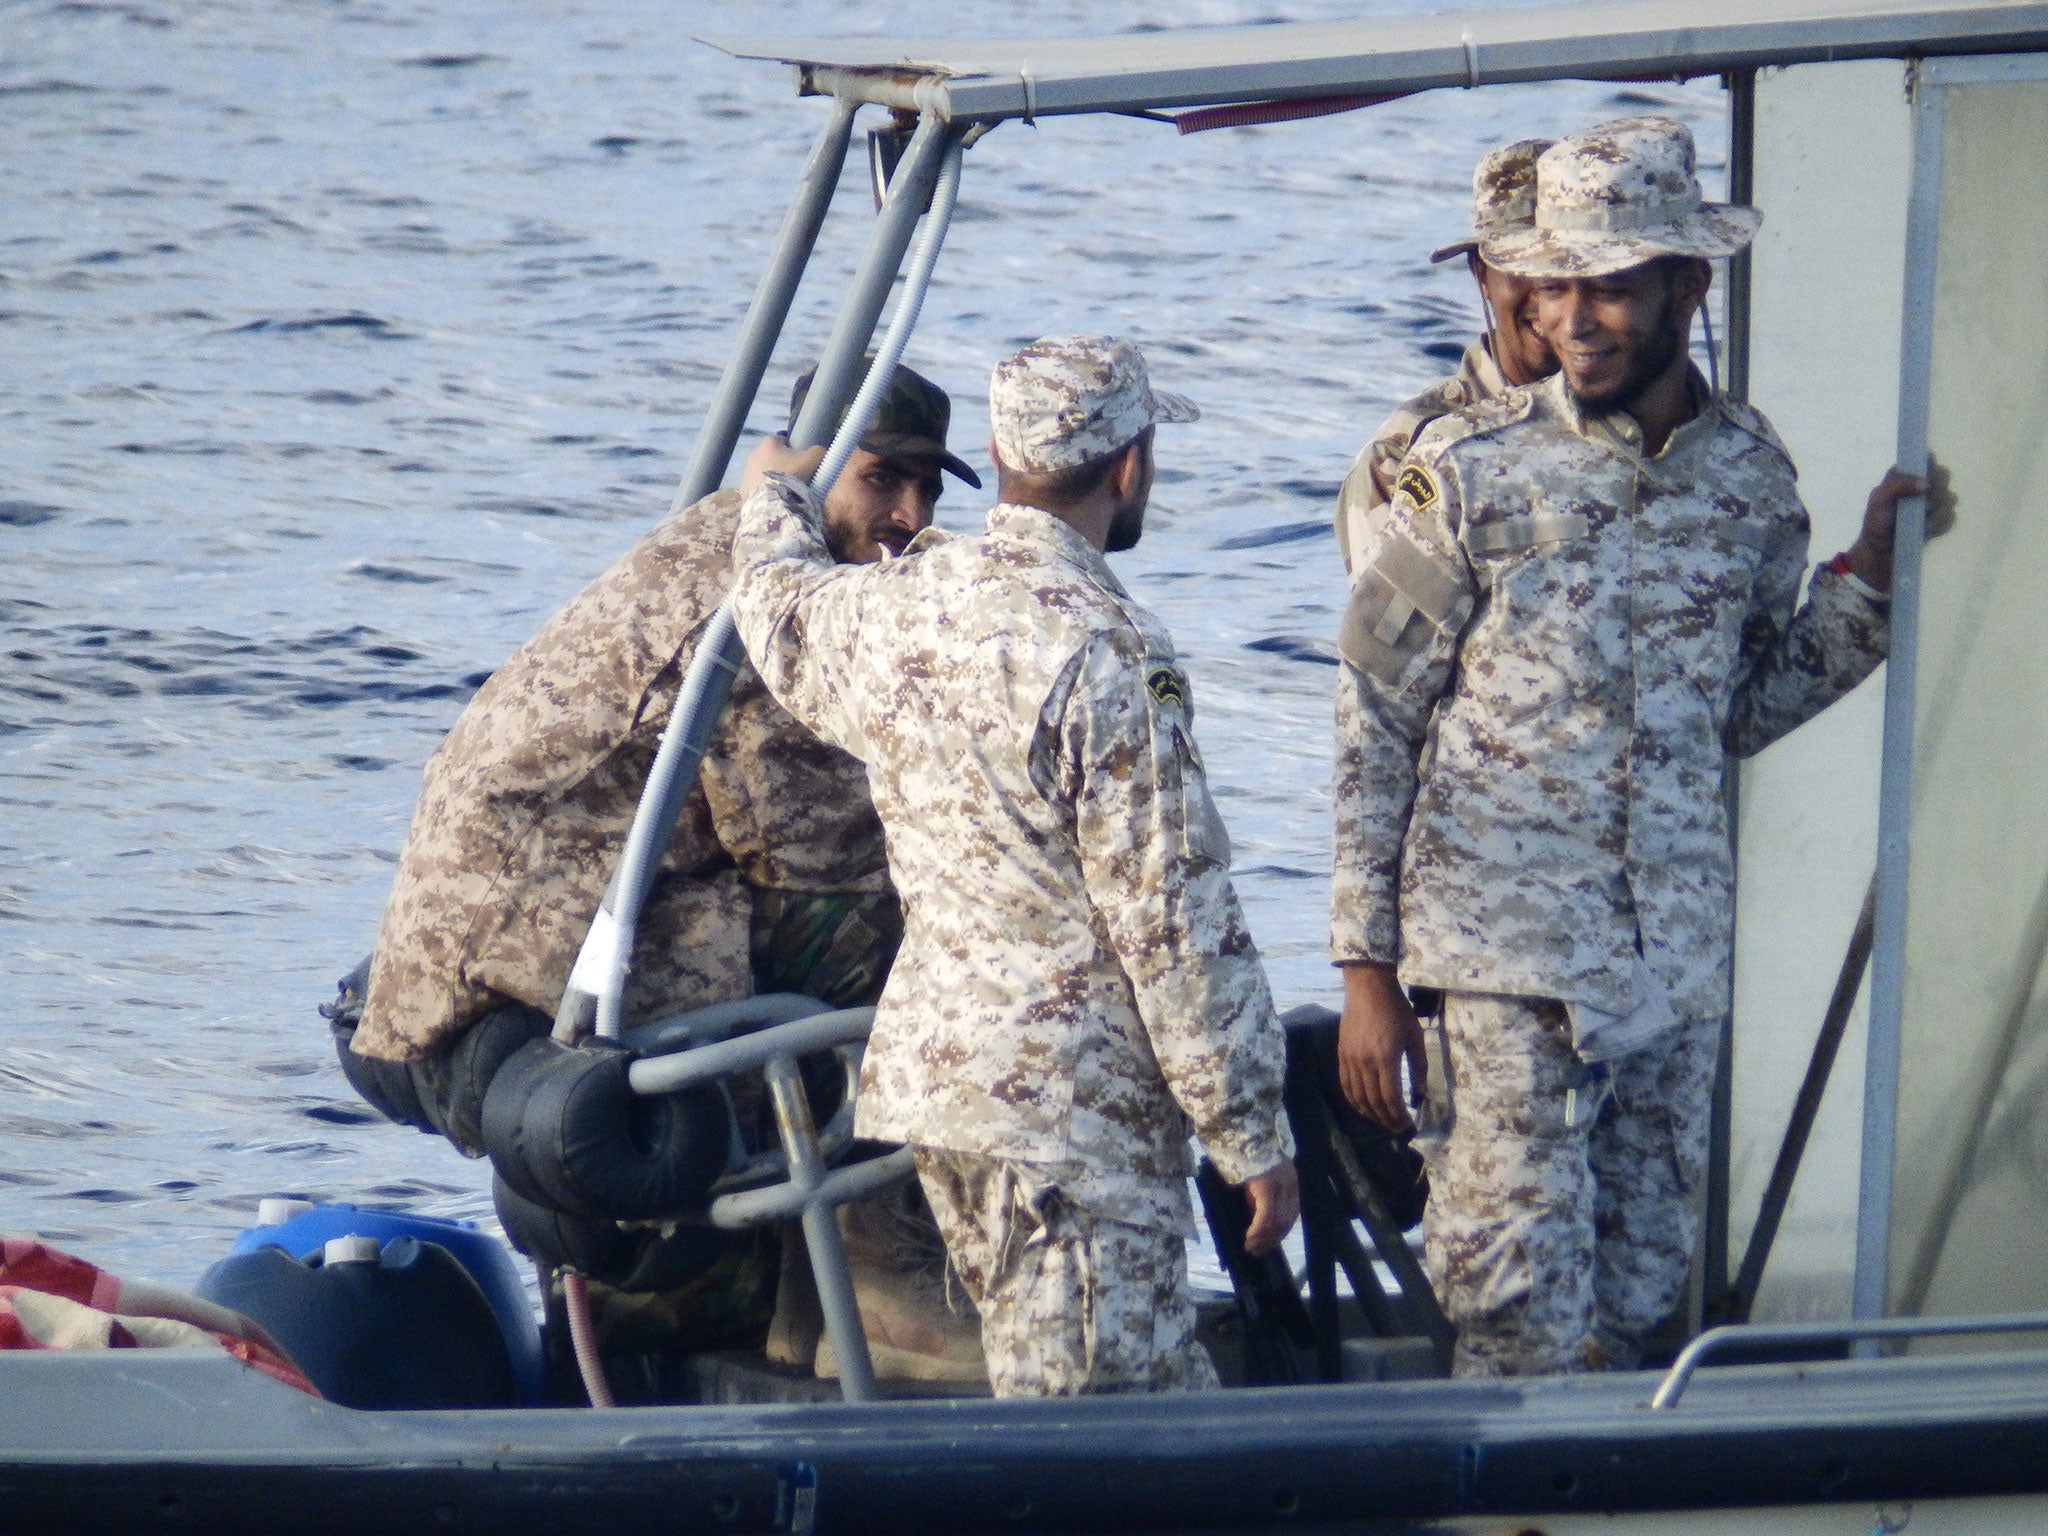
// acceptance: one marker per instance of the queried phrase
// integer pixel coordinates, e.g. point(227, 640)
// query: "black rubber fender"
point(474, 1062)
point(624, 1258)
point(602, 1250)
point(564, 1128)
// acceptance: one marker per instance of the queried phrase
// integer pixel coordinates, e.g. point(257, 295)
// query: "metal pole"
point(1895, 782)
point(606, 949)
point(839, 370)
point(1741, 189)
point(1713, 1289)
point(821, 1232)
point(772, 296)
point(602, 965)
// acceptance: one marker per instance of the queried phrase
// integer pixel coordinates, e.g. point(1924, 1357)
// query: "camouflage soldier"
point(775, 877)
point(1077, 988)
point(1510, 353)
point(1581, 596)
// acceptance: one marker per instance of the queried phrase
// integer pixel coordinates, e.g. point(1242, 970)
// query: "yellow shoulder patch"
point(1419, 485)
point(1166, 686)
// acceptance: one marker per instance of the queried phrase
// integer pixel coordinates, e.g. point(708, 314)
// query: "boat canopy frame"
point(1151, 71)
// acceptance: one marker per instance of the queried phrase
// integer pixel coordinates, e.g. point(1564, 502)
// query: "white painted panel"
point(1833, 157)
point(1970, 1199)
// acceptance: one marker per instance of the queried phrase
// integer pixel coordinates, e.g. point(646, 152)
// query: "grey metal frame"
point(1895, 767)
point(992, 79)
point(600, 971)
point(1867, 1332)
point(810, 1191)
point(769, 311)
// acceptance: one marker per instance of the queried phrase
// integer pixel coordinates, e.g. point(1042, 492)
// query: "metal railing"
point(1714, 1339)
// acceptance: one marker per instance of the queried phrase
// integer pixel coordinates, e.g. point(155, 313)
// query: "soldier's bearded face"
point(1616, 335)
point(878, 505)
point(1518, 347)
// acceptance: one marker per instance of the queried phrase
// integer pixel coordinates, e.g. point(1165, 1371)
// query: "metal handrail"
point(1675, 1380)
point(715, 1021)
point(810, 1190)
point(704, 1063)
point(783, 1202)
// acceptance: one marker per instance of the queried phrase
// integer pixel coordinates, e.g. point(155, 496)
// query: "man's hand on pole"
point(773, 456)
point(1275, 1196)
point(1378, 1030)
point(1870, 557)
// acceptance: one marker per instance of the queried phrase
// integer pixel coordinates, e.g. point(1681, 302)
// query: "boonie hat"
point(911, 420)
point(1614, 197)
point(1503, 194)
point(1065, 400)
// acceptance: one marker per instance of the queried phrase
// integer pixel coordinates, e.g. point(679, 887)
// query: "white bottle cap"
point(351, 1250)
point(277, 1210)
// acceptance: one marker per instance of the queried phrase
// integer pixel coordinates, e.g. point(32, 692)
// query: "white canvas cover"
point(1970, 1193)
point(1833, 161)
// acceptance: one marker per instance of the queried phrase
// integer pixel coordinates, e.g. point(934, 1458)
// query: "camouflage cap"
point(910, 422)
point(1503, 194)
point(1065, 400)
point(1614, 197)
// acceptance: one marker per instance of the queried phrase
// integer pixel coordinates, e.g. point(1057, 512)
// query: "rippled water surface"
point(341, 341)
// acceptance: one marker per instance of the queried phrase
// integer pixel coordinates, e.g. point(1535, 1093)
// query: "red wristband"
point(1840, 564)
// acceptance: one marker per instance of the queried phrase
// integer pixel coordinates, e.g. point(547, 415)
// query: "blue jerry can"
point(405, 1287)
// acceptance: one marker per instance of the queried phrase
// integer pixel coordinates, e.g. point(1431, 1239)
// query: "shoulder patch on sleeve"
point(1418, 485)
point(1166, 686)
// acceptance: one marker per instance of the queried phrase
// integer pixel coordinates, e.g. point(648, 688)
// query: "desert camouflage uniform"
point(1092, 1304)
point(1560, 1195)
point(1370, 484)
point(1077, 986)
point(1551, 646)
point(525, 808)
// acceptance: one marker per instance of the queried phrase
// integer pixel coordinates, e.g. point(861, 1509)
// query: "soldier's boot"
point(798, 1324)
point(919, 1322)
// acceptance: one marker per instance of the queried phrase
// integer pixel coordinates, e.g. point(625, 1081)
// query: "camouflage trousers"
point(1564, 1201)
point(1070, 1301)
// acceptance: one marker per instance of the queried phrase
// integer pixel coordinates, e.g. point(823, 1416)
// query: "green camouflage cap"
point(1503, 194)
point(1065, 400)
point(910, 422)
point(1614, 197)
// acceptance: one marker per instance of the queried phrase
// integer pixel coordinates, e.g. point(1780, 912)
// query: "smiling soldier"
point(1510, 353)
point(1581, 596)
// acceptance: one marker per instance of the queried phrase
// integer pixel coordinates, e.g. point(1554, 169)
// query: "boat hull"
point(133, 1442)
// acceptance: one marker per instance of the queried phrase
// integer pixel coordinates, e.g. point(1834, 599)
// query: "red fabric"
point(12, 1334)
point(26, 1265)
point(38, 1267)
